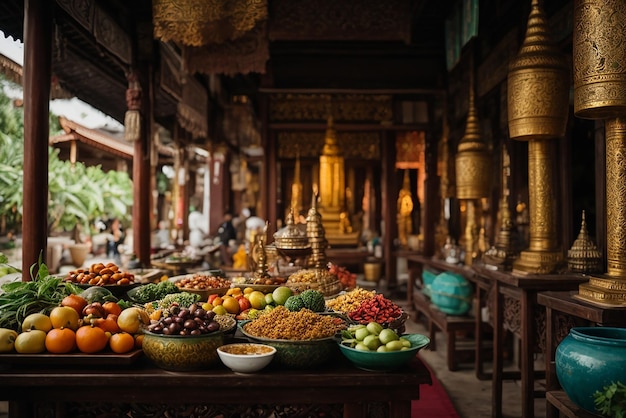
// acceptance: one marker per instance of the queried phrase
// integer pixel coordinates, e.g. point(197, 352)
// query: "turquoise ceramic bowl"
point(589, 359)
point(451, 293)
point(392, 360)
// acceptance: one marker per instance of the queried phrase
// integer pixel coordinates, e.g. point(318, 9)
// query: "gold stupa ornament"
point(316, 237)
point(473, 162)
point(538, 94)
point(600, 93)
point(584, 256)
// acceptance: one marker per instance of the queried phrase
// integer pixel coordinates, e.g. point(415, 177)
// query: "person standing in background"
point(116, 237)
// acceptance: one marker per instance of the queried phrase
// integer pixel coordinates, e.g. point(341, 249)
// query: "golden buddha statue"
point(404, 211)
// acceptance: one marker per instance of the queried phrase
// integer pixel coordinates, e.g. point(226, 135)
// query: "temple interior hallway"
point(472, 397)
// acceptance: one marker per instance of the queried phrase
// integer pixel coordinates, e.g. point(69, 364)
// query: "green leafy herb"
point(611, 401)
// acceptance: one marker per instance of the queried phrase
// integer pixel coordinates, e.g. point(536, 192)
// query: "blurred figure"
point(161, 238)
point(115, 238)
point(227, 235)
point(198, 227)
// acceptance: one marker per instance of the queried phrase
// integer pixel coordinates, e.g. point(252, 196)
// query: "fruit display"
point(247, 303)
point(76, 325)
point(373, 337)
point(185, 321)
point(378, 309)
point(99, 274)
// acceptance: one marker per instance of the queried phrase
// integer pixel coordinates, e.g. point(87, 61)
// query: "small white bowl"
point(246, 357)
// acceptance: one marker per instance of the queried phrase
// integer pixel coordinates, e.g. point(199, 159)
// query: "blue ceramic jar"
point(589, 359)
point(451, 293)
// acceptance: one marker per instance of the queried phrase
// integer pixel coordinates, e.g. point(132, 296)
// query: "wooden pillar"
point(141, 170)
point(431, 187)
point(271, 173)
point(37, 73)
point(389, 195)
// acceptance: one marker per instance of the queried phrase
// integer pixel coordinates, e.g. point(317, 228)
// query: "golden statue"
point(405, 209)
point(332, 192)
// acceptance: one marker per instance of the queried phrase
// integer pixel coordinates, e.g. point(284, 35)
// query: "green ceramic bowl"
point(299, 354)
point(183, 352)
point(392, 360)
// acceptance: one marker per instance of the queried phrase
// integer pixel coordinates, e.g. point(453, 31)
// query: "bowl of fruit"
point(372, 347)
point(185, 339)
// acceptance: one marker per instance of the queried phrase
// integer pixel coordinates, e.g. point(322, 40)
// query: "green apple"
point(361, 347)
point(281, 294)
point(372, 342)
point(387, 335)
point(374, 328)
point(395, 345)
point(361, 333)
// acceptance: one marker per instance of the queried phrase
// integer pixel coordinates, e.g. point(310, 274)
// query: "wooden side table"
point(563, 312)
point(520, 292)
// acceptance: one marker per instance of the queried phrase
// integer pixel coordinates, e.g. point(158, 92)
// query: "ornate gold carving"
point(344, 20)
point(599, 58)
point(538, 84)
point(584, 256)
point(538, 87)
point(601, 296)
point(246, 54)
point(473, 161)
point(364, 145)
point(615, 132)
point(404, 208)
point(289, 107)
point(201, 22)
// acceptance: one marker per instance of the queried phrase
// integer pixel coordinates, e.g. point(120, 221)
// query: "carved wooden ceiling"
point(317, 45)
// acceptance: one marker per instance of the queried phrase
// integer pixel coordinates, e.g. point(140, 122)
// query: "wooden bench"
point(450, 325)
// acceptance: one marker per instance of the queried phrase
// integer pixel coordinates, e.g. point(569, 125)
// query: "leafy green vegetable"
point(611, 402)
point(182, 299)
point(42, 294)
point(152, 291)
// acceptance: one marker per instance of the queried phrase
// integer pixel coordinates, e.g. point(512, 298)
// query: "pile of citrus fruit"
point(246, 303)
point(77, 325)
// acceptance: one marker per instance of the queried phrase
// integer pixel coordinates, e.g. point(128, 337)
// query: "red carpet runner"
point(433, 402)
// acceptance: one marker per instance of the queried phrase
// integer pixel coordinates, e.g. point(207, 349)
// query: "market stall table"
point(71, 390)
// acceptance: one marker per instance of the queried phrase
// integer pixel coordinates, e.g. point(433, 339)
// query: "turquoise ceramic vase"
point(589, 359)
point(451, 293)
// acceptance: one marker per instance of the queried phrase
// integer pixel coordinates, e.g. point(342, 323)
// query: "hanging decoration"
point(203, 22)
point(132, 118)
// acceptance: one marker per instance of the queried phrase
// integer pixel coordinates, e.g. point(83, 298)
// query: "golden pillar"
point(473, 174)
point(538, 103)
point(600, 93)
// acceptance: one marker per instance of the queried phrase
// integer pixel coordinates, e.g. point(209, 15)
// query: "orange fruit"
point(217, 301)
point(112, 308)
point(90, 339)
point(139, 341)
point(64, 317)
point(131, 319)
point(122, 342)
point(61, 340)
point(230, 304)
point(75, 301)
point(108, 324)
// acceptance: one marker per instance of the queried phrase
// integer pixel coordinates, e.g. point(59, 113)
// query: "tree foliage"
point(78, 194)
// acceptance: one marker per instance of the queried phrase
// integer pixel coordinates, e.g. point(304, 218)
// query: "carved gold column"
point(538, 103)
point(473, 173)
point(600, 93)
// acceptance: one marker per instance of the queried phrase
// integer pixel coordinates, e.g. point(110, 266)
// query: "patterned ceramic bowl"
point(299, 354)
point(182, 352)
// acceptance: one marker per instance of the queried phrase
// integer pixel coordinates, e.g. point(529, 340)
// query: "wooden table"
point(563, 312)
point(522, 290)
point(482, 285)
point(39, 390)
